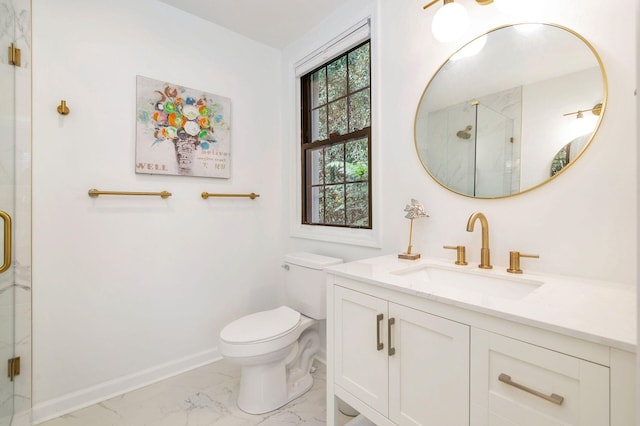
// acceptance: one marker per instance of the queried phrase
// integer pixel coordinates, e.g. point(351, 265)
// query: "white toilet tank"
point(305, 283)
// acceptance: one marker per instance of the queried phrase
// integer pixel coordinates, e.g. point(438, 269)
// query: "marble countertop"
point(597, 311)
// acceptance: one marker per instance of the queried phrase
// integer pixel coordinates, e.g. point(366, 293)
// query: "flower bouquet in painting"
point(181, 131)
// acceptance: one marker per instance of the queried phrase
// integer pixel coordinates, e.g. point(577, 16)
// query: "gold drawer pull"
point(392, 350)
point(556, 399)
point(379, 344)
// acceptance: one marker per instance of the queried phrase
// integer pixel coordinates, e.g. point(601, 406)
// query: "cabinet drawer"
point(515, 383)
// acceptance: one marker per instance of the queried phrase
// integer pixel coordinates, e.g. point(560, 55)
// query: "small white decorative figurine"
point(415, 210)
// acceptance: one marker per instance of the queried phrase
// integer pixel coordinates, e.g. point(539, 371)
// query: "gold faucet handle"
point(514, 261)
point(461, 254)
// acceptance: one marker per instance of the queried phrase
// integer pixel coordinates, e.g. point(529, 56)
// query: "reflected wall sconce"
point(582, 125)
point(596, 110)
point(63, 109)
point(451, 20)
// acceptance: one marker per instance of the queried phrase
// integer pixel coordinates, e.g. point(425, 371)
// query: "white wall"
point(583, 224)
point(127, 289)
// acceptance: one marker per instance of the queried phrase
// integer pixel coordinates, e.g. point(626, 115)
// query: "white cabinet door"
point(361, 362)
point(429, 371)
point(518, 384)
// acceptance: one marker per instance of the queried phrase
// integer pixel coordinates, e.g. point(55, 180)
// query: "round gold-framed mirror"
point(496, 116)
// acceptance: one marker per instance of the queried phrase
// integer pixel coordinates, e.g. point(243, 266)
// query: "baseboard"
point(322, 356)
point(22, 418)
point(83, 398)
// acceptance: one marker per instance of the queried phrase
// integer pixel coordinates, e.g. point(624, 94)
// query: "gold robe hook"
point(62, 108)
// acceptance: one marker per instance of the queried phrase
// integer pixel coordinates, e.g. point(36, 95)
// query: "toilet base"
point(264, 388)
point(301, 386)
point(271, 381)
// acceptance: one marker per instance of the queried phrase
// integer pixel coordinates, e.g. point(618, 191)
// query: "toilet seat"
point(261, 326)
point(262, 332)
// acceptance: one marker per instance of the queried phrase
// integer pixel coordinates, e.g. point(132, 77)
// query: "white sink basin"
point(470, 280)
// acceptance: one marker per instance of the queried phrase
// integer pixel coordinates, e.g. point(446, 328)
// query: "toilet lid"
point(265, 325)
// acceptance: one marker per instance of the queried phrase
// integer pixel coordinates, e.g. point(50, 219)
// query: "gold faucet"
point(485, 263)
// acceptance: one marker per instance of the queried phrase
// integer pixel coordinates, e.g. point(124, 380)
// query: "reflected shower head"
point(465, 133)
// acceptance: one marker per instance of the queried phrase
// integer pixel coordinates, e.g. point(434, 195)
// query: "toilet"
point(276, 348)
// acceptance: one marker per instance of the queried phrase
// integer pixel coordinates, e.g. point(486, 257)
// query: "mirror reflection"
point(510, 110)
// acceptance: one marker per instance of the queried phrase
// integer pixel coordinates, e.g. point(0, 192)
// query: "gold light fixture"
point(451, 20)
point(415, 210)
point(582, 125)
point(596, 110)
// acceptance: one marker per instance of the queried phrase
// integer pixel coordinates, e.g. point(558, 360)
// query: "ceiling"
point(276, 23)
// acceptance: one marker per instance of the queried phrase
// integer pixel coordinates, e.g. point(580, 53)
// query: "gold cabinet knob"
point(461, 254)
point(514, 261)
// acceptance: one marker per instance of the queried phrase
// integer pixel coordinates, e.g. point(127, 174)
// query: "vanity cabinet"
point(408, 365)
point(405, 358)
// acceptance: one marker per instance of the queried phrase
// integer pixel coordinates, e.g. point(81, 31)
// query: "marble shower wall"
point(15, 26)
point(492, 151)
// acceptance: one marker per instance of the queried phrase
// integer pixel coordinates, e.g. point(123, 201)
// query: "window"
point(336, 141)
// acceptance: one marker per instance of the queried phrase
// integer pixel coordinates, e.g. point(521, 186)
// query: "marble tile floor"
point(201, 397)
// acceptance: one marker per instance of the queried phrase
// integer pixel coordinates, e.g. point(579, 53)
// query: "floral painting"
point(181, 131)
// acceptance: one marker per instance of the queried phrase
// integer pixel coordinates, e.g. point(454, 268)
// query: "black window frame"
point(308, 146)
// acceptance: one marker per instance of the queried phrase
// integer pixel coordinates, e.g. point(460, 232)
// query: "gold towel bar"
point(253, 195)
point(94, 193)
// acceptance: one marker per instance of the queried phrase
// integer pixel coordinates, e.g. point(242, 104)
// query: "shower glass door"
point(7, 214)
point(15, 206)
point(496, 169)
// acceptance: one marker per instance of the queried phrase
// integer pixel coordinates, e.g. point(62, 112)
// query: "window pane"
point(319, 124)
point(359, 68)
point(357, 160)
point(319, 88)
point(317, 205)
point(337, 174)
point(338, 117)
point(334, 166)
point(334, 205)
point(357, 204)
point(316, 166)
point(337, 78)
point(359, 110)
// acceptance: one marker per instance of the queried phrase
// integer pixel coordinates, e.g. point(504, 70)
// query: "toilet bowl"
point(267, 347)
point(276, 348)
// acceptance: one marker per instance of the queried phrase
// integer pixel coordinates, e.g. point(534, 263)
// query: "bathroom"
point(128, 290)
